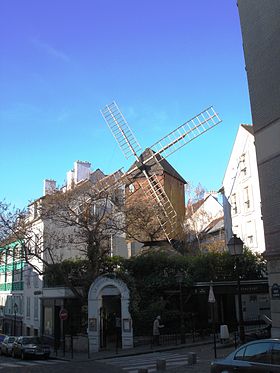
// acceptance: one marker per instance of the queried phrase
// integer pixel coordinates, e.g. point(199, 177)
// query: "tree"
point(141, 222)
point(155, 287)
point(67, 232)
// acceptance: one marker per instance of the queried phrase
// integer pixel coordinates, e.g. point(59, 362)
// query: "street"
point(176, 362)
point(9, 365)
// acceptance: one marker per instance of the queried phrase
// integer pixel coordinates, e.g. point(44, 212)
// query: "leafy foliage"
point(156, 281)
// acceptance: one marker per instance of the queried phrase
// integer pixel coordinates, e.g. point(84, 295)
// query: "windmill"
point(152, 188)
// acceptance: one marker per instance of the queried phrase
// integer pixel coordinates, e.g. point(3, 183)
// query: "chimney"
point(70, 179)
point(49, 186)
point(81, 171)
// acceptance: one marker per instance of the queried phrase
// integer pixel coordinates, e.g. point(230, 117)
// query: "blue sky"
point(162, 61)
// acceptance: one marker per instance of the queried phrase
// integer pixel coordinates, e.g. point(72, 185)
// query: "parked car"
point(7, 345)
point(28, 346)
point(260, 356)
point(2, 337)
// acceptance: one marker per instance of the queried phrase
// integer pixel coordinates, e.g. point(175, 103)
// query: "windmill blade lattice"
point(176, 139)
point(187, 132)
point(120, 130)
point(154, 190)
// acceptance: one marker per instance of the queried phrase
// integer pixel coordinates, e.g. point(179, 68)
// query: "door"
point(110, 321)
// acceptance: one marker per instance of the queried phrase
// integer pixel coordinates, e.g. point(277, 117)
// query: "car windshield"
point(31, 340)
point(11, 339)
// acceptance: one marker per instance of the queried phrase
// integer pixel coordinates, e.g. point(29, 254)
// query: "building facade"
point(241, 192)
point(11, 289)
point(28, 306)
point(260, 26)
point(203, 226)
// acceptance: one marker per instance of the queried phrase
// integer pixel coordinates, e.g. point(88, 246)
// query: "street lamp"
point(179, 278)
point(15, 320)
point(235, 247)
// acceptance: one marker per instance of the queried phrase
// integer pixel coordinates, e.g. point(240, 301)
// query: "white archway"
point(105, 285)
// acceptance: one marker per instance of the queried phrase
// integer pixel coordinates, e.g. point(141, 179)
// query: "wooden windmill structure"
point(151, 184)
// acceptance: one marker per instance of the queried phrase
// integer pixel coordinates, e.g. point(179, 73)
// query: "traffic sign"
point(63, 314)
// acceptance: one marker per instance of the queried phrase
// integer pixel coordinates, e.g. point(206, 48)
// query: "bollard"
point(224, 334)
point(192, 358)
point(161, 365)
point(143, 370)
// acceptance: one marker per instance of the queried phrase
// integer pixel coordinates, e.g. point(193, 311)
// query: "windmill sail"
point(176, 139)
point(187, 132)
point(156, 194)
point(120, 130)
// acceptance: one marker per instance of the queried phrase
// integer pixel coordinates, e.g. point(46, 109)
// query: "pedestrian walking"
point(156, 330)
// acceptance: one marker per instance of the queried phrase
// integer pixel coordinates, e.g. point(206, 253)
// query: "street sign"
point(275, 291)
point(63, 314)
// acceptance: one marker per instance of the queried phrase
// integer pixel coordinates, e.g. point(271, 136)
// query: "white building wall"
point(242, 192)
point(33, 284)
point(210, 210)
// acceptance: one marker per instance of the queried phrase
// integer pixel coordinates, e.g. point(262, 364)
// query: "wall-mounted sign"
point(275, 291)
point(126, 325)
point(92, 324)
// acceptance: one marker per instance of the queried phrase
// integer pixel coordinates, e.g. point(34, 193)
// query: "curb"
point(132, 353)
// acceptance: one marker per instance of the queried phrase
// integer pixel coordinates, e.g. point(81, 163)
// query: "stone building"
point(260, 26)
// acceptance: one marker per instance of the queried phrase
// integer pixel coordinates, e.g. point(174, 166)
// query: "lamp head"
point(235, 245)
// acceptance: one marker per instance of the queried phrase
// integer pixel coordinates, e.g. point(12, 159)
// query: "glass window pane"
point(239, 354)
point(258, 352)
point(276, 353)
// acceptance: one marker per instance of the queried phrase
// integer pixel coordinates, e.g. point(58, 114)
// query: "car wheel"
point(22, 355)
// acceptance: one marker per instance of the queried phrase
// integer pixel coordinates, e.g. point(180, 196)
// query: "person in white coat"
point(156, 330)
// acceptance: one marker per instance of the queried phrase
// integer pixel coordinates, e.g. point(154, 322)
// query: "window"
point(36, 244)
point(276, 353)
point(250, 232)
point(234, 204)
point(36, 308)
point(243, 164)
point(28, 272)
point(131, 188)
point(28, 307)
point(246, 198)
point(239, 354)
point(48, 321)
point(35, 280)
point(258, 353)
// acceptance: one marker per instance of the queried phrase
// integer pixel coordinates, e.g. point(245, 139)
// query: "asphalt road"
point(10, 365)
point(204, 353)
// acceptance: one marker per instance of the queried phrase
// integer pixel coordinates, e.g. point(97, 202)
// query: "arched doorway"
point(109, 320)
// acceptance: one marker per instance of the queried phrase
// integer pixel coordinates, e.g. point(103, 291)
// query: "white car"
point(7, 344)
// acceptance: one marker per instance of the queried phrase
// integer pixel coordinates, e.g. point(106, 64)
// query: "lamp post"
point(235, 247)
point(179, 278)
point(15, 319)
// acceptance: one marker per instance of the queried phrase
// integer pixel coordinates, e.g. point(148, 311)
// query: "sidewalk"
point(113, 353)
